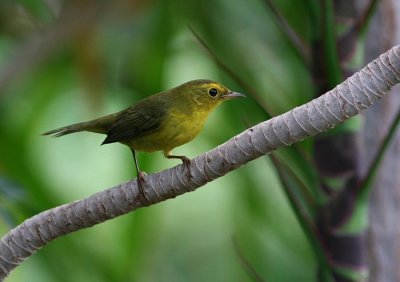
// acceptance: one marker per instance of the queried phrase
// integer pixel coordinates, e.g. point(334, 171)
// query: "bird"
point(159, 122)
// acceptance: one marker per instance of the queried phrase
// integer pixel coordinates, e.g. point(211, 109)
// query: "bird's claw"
point(186, 163)
point(141, 175)
point(140, 183)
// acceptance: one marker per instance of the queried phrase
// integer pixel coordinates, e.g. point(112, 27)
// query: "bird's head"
point(206, 94)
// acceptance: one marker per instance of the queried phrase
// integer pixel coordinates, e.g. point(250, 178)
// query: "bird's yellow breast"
point(177, 128)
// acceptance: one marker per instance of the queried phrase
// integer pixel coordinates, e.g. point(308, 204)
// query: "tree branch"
point(346, 100)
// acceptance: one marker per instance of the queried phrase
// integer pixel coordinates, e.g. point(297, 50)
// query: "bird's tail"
point(99, 125)
point(82, 126)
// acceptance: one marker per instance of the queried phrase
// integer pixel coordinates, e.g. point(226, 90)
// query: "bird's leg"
point(140, 181)
point(185, 160)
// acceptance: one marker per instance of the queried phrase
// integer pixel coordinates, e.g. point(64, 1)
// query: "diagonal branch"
point(29, 55)
point(336, 106)
point(246, 86)
point(365, 185)
point(300, 48)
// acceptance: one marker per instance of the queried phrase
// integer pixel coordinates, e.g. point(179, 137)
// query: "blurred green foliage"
point(63, 62)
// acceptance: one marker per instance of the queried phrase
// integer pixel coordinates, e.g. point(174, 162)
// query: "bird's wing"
point(136, 121)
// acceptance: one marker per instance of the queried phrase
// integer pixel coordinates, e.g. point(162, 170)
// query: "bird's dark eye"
point(213, 92)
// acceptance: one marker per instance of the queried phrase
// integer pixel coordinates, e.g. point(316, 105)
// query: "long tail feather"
point(99, 125)
point(67, 129)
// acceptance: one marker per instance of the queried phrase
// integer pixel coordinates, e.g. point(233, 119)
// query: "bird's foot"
point(186, 163)
point(141, 181)
point(185, 160)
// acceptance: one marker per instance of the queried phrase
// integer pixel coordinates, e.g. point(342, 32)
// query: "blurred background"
point(63, 62)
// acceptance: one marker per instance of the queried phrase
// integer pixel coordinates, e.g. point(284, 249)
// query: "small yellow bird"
point(159, 122)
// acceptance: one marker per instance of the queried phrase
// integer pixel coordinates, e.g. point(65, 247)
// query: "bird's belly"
point(175, 131)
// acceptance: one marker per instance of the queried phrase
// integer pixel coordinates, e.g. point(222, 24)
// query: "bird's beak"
point(232, 95)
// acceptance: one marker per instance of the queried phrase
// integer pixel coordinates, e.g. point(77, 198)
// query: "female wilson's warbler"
point(159, 122)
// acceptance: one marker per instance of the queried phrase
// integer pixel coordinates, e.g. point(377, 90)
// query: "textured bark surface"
point(384, 230)
point(346, 100)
